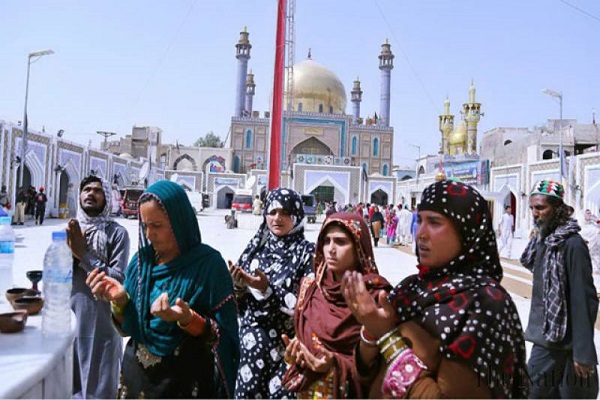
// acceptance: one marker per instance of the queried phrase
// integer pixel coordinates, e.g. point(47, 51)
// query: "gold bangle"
point(386, 336)
point(115, 309)
point(391, 344)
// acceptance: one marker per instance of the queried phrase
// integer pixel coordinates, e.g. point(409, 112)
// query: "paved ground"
point(395, 262)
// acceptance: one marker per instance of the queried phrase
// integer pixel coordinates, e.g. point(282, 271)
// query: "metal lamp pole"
point(106, 136)
point(37, 54)
point(418, 147)
point(559, 96)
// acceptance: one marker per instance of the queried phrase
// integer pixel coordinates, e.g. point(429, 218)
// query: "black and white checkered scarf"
point(95, 227)
point(554, 278)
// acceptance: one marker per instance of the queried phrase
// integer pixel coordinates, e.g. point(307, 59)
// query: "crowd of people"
point(29, 202)
point(394, 223)
point(295, 319)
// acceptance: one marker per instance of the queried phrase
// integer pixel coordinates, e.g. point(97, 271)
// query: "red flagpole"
point(276, 122)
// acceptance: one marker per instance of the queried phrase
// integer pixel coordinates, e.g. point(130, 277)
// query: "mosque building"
point(507, 162)
point(333, 155)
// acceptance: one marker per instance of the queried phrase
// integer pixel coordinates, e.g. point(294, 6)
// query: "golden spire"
point(447, 106)
point(472, 92)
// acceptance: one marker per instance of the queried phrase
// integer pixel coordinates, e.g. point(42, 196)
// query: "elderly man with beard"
point(564, 305)
point(96, 241)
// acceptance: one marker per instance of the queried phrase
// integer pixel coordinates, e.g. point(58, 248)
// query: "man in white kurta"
point(505, 232)
point(590, 232)
point(403, 228)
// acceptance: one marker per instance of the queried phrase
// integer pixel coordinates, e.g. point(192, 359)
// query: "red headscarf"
point(322, 317)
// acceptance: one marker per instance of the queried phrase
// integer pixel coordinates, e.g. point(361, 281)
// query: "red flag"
point(276, 116)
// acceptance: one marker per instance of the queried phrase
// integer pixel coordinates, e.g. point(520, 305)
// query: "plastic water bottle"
point(58, 280)
point(7, 254)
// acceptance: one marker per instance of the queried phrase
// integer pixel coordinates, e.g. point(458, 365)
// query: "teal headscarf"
point(198, 275)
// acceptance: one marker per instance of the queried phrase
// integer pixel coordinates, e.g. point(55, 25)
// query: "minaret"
point(242, 53)
point(386, 64)
point(472, 115)
point(356, 98)
point(250, 90)
point(446, 127)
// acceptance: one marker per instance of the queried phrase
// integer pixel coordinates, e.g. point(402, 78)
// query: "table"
point(33, 365)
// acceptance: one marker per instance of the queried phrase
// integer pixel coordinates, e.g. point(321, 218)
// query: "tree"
point(209, 140)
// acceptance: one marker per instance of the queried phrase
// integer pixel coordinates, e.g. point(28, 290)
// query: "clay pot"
point(13, 321)
point(31, 304)
point(15, 293)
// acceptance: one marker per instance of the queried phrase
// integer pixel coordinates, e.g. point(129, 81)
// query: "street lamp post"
point(559, 96)
point(36, 56)
point(418, 147)
point(106, 136)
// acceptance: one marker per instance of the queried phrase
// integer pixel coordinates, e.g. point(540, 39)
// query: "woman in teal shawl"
point(177, 305)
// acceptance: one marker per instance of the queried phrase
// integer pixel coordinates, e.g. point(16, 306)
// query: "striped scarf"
point(554, 278)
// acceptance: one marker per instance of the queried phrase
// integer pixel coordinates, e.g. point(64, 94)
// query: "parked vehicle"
point(310, 209)
point(129, 202)
point(242, 200)
point(196, 200)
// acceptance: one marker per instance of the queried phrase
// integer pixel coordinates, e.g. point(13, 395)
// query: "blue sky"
point(172, 63)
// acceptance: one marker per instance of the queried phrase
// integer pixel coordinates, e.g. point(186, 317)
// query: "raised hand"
point(297, 353)
point(242, 278)
point(76, 239)
point(236, 275)
point(377, 319)
point(105, 288)
point(180, 312)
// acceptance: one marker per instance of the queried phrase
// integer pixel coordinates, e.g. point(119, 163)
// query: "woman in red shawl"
point(321, 356)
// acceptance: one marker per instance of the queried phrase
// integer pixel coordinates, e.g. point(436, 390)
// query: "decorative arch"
point(354, 145)
point(379, 197)
point(329, 181)
point(36, 168)
point(185, 157)
point(547, 155)
point(217, 164)
point(311, 145)
point(376, 147)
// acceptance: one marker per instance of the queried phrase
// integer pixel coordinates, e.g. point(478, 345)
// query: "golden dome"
point(315, 85)
point(459, 136)
point(440, 176)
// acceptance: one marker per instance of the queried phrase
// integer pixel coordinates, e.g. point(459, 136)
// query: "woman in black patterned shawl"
point(267, 277)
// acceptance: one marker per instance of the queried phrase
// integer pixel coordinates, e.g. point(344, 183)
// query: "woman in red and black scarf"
point(451, 330)
point(321, 356)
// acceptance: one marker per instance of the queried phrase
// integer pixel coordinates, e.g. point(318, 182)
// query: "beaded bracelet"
point(366, 338)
